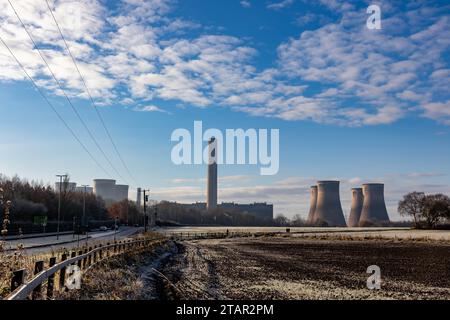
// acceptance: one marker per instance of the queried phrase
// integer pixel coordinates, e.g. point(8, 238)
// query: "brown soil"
point(289, 268)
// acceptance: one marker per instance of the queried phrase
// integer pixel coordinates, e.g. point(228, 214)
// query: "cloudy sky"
point(351, 103)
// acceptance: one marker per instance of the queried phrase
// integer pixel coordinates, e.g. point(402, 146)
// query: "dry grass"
point(119, 278)
point(11, 261)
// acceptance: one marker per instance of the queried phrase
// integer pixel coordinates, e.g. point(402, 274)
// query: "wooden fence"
point(84, 259)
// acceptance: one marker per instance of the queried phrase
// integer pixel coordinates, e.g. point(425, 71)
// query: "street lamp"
point(61, 176)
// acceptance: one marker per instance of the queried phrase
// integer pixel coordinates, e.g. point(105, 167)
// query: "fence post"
point(100, 253)
point(51, 279)
point(95, 254)
point(85, 258)
point(90, 257)
point(62, 272)
point(107, 250)
point(38, 267)
point(79, 261)
point(17, 279)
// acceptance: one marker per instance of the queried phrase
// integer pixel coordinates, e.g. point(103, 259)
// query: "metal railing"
point(84, 259)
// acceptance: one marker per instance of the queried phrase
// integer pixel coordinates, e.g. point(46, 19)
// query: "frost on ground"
point(292, 268)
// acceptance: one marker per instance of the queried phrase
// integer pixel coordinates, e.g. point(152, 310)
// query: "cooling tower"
point(66, 187)
point(374, 207)
point(106, 189)
point(121, 192)
point(313, 203)
point(328, 208)
point(211, 195)
point(357, 205)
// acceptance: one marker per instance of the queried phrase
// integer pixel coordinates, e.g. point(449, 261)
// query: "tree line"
point(31, 199)
point(427, 211)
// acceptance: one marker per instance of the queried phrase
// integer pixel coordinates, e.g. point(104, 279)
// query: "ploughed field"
point(302, 268)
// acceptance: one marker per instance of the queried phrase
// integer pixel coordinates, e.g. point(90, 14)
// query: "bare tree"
point(412, 205)
point(436, 207)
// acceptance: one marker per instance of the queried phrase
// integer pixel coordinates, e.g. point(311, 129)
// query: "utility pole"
point(61, 176)
point(85, 224)
point(145, 209)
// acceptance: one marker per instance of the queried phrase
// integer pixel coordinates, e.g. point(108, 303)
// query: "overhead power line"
point(54, 109)
point(90, 96)
point(65, 94)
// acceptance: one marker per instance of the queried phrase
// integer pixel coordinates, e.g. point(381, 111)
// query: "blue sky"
point(351, 103)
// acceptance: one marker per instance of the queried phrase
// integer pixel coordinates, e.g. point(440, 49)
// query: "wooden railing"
point(84, 259)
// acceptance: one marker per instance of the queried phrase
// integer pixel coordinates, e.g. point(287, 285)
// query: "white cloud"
point(280, 5)
point(246, 3)
point(150, 108)
point(141, 52)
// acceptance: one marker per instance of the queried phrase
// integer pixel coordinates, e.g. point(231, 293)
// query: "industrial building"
point(81, 189)
point(374, 207)
point(368, 206)
point(260, 210)
point(65, 186)
point(357, 205)
point(328, 207)
point(313, 203)
point(109, 191)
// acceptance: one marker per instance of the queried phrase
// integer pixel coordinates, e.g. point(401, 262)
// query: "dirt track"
point(289, 268)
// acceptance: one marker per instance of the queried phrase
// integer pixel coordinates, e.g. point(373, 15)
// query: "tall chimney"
point(138, 198)
point(374, 207)
point(313, 204)
point(357, 205)
point(211, 196)
point(329, 209)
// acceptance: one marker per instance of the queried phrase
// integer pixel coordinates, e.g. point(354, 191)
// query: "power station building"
point(65, 186)
point(368, 206)
point(258, 209)
point(374, 207)
point(109, 191)
point(357, 205)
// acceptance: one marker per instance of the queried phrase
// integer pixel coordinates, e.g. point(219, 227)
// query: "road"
point(48, 244)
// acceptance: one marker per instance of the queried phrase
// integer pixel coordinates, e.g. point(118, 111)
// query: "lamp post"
point(61, 176)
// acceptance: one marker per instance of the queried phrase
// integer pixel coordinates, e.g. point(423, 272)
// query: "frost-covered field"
point(387, 233)
point(304, 268)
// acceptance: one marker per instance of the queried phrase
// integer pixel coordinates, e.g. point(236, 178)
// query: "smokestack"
point(313, 204)
point(211, 196)
point(357, 205)
point(374, 207)
point(138, 198)
point(329, 209)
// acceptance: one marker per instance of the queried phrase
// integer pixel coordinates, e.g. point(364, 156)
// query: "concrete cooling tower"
point(374, 207)
point(121, 192)
point(105, 188)
point(312, 208)
point(357, 205)
point(329, 209)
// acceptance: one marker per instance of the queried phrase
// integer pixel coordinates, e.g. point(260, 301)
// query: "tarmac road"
point(48, 244)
